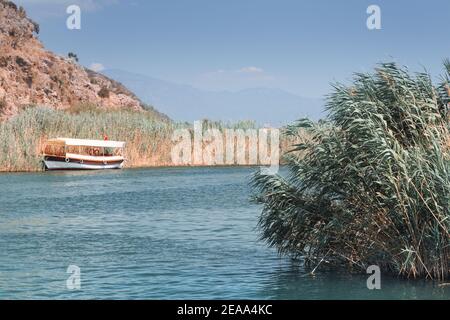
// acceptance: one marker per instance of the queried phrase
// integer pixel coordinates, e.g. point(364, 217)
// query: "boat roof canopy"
point(88, 143)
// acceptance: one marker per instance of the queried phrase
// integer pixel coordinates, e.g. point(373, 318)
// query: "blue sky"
point(298, 46)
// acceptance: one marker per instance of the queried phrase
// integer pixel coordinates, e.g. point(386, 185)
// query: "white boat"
point(82, 154)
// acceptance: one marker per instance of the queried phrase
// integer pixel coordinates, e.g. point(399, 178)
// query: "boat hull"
point(78, 165)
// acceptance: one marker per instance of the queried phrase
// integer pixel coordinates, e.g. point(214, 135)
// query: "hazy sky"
point(299, 46)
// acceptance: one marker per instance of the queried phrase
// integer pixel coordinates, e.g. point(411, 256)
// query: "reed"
point(372, 185)
point(21, 137)
point(148, 134)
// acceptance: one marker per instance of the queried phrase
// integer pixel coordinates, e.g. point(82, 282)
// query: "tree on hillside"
point(73, 56)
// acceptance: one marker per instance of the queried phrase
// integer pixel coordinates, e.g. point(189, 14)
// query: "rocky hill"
point(30, 75)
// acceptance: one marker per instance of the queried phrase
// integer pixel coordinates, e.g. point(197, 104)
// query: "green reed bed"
point(148, 134)
point(21, 137)
point(372, 185)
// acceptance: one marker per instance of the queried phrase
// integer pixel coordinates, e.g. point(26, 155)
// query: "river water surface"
point(179, 233)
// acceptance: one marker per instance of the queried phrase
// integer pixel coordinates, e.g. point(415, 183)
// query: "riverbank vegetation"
point(372, 185)
point(22, 136)
point(148, 134)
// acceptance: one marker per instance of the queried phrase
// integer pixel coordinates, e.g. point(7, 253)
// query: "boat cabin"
point(67, 153)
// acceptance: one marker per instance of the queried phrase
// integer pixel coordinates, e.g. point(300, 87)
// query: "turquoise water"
point(181, 233)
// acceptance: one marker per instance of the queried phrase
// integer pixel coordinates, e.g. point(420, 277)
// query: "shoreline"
point(143, 167)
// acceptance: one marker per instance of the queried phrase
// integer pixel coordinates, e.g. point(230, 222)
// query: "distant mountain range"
point(186, 103)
